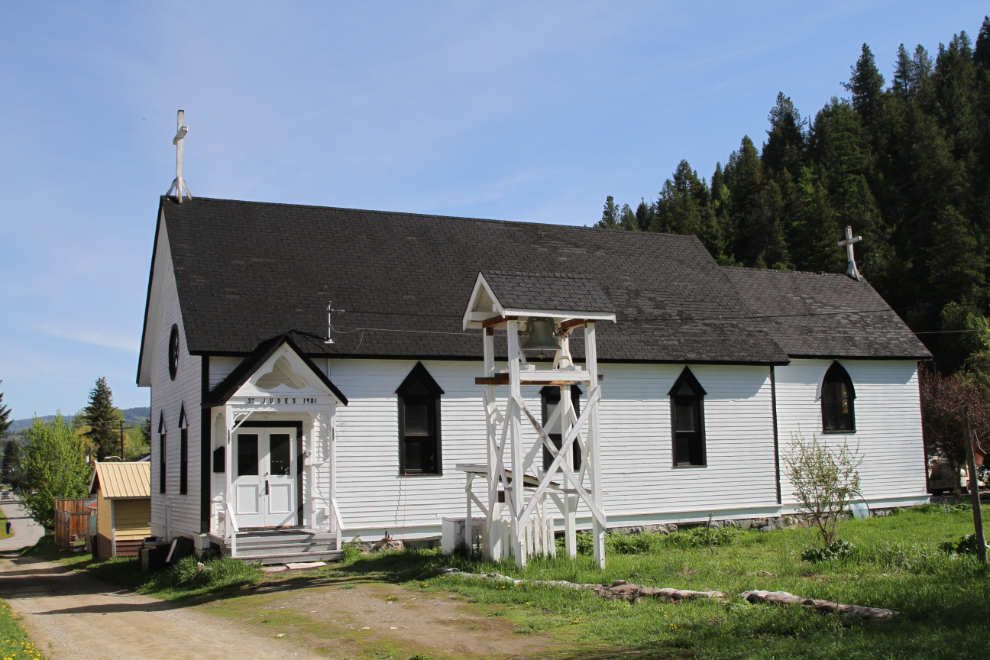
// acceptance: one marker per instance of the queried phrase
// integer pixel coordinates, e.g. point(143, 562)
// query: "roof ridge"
point(528, 223)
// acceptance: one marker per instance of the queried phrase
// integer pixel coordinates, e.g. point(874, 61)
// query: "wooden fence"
point(71, 518)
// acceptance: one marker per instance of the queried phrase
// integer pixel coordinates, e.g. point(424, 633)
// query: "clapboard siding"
point(220, 368)
point(168, 396)
point(888, 423)
point(637, 449)
point(636, 443)
point(130, 519)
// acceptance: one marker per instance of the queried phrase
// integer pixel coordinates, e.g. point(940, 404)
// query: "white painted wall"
point(168, 396)
point(888, 424)
point(643, 486)
point(220, 368)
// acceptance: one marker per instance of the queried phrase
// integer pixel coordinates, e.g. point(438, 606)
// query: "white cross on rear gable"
point(848, 243)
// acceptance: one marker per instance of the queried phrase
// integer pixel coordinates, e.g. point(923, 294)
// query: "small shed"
point(123, 508)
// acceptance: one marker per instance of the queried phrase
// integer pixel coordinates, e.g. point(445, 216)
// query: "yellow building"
point(123, 508)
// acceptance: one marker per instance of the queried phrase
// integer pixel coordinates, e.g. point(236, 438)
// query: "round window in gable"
point(173, 352)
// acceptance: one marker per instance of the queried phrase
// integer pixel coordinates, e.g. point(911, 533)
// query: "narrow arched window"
point(550, 399)
point(183, 451)
point(687, 420)
point(162, 433)
point(838, 415)
point(419, 423)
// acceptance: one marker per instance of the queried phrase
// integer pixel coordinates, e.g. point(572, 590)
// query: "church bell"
point(541, 335)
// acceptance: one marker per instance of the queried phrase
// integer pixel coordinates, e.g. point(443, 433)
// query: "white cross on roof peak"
point(848, 243)
point(179, 186)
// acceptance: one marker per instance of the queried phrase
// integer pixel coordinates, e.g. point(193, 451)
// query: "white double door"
point(264, 479)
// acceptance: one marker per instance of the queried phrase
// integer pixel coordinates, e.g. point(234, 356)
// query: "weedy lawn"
point(14, 642)
point(943, 600)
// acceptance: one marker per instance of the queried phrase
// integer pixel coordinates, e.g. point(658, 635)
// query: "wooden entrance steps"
point(278, 546)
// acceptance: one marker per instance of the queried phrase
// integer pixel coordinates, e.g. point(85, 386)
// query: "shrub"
point(837, 549)
point(190, 573)
point(702, 537)
point(964, 545)
point(824, 480)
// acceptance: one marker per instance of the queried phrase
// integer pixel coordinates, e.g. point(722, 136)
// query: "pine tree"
point(866, 85)
point(610, 215)
point(921, 75)
point(817, 233)
point(903, 73)
point(956, 267)
point(11, 462)
point(981, 56)
point(627, 219)
point(784, 149)
point(4, 416)
point(102, 418)
point(644, 216)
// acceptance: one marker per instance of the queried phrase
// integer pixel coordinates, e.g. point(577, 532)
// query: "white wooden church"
point(319, 374)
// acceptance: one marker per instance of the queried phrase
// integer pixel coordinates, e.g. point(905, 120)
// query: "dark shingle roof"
point(824, 315)
point(547, 291)
point(249, 271)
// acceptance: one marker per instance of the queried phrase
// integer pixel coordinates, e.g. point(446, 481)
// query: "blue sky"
point(529, 111)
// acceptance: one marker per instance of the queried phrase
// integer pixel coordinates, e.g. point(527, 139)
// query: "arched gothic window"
point(838, 415)
point(687, 420)
point(162, 433)
point(419, 423)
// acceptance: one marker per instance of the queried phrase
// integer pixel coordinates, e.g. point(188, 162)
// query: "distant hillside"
point(131, 416)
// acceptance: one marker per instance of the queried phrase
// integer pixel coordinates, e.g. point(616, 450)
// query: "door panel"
point(248, 500)
point(248, 483)
point(265, 478)
point(281, 480)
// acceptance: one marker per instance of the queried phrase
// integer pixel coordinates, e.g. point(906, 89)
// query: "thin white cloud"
point(94, 337)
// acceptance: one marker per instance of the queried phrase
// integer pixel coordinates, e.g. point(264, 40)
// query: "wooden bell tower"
point(518, 522)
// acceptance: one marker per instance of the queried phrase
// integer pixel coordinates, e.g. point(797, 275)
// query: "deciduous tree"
point(54, 464)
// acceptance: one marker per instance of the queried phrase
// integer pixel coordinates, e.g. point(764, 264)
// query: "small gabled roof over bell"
point(552, 295)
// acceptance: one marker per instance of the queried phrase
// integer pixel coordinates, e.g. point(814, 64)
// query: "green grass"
point(189, 578)
point(14, 642)
point(943, 600)
point(3, 526)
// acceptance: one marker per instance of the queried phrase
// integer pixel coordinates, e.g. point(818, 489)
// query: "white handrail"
point(232, 527)
point(336, 513)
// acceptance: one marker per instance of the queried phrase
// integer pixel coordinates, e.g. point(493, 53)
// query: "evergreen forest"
point(904, 162)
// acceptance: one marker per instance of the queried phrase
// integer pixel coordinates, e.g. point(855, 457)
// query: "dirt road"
point(26, 531)
point(70, 615)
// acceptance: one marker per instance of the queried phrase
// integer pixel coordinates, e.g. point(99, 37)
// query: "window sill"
point(420, 474)
point(824, 432)
point(689, 466)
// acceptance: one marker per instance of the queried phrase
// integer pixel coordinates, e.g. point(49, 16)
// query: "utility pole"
point(974, 489)
point(121, 440)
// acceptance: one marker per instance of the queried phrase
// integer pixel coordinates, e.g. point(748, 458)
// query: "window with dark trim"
point(183, 452)
point(419, 423)
point(549, 400)
point(161, 451)
point(173, 351)
point(687, 420)
point(838, 394)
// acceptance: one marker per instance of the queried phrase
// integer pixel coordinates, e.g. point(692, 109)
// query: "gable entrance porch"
point(273, 486)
